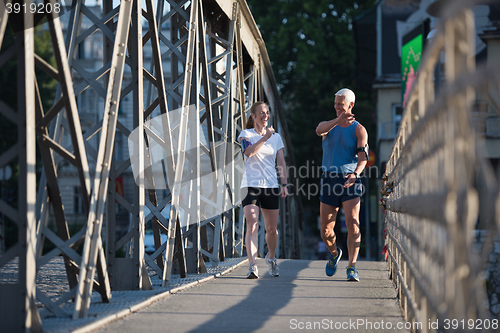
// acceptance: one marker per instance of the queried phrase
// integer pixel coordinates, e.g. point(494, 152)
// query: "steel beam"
point(209, 46)
point(93, 241)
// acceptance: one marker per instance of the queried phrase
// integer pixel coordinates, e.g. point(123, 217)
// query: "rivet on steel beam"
point(120, 54)
point(121, 44)
point(112, 113)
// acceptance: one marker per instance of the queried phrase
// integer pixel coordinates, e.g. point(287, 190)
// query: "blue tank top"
point(339, 149)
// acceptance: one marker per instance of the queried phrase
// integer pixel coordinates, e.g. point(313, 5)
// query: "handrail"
point(430, 194)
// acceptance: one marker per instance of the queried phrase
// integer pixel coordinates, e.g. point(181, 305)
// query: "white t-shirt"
point(260, 169)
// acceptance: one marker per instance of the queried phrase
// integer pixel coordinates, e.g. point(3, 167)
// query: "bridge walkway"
point(303, 298)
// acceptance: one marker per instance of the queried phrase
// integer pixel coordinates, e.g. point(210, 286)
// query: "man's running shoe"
point(331, 266)
point(352, 274)
point(274, 270)
point(253, 272)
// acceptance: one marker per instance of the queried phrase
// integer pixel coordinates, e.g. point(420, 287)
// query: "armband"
point(245, 144)
point(363, 150)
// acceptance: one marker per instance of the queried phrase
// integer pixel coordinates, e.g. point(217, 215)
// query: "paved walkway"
point(303, 298)
point(121, 304)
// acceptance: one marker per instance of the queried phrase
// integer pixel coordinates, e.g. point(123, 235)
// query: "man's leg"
point(251, 239)
point(328, 214)
point(351, 209)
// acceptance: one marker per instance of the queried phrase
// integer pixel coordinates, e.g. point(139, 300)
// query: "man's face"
point(341, 105)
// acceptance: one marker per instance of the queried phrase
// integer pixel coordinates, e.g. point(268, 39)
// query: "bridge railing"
point(182, 75)
point(430, 191)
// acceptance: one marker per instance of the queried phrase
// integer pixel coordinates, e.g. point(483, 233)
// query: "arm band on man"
point(363, 150)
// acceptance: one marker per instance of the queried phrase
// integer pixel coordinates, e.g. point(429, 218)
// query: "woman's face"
point(261, 116)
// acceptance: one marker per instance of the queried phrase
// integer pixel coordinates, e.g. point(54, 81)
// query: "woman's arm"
point(251, 149)
point(280, 161)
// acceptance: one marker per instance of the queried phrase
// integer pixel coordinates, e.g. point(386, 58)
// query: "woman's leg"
point(271, 223)
point(251, 239)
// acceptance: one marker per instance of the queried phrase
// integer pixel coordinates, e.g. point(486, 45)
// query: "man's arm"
point(362, 137)
point(326, 126)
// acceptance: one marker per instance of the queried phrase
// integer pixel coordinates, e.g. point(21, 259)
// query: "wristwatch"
point(356, 174)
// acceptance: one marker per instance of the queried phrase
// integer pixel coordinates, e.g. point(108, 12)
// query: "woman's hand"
point(269, 132)
point(284, 191)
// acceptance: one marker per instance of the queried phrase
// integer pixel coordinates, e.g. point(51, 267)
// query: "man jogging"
point(345, 154)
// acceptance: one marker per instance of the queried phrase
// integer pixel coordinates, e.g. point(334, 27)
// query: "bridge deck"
point(303, 296)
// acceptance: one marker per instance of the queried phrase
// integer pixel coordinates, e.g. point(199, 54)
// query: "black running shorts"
point(267, 198)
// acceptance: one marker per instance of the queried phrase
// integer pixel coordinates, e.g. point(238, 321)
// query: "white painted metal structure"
point(430, 191)
point(219, 66)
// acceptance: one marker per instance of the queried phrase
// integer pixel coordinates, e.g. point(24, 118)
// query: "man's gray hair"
point(348, 94)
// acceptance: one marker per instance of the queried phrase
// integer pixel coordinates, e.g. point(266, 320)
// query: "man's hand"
point(351, 179)
point(345, 118)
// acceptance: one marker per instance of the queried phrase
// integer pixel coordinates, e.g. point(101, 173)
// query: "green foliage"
point(8, 92)
point(46, 84)
point(311, 47)
point(9, 74)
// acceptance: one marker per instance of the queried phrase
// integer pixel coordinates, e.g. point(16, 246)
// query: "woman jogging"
point(263, 148)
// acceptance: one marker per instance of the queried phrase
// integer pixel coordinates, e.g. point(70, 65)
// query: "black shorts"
point(267, 198)
point(333, 192)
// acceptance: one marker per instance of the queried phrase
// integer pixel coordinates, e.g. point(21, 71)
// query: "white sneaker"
point(253, 272)
point(274, 269)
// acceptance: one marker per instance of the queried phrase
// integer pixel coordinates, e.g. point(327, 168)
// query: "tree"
point(9, 95)
point(311, 47)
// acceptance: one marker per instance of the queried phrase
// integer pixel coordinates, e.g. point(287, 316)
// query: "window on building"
point(119, 147)
point(397, 112)
point(81, 51)
point(77, 200)
point(82, 101)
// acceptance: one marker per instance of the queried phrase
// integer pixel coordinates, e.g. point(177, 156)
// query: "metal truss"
point(189, 102)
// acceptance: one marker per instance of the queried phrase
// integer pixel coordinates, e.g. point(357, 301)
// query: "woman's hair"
point(253, 109)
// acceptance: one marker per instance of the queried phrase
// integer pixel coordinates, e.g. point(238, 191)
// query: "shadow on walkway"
point(269, 295)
